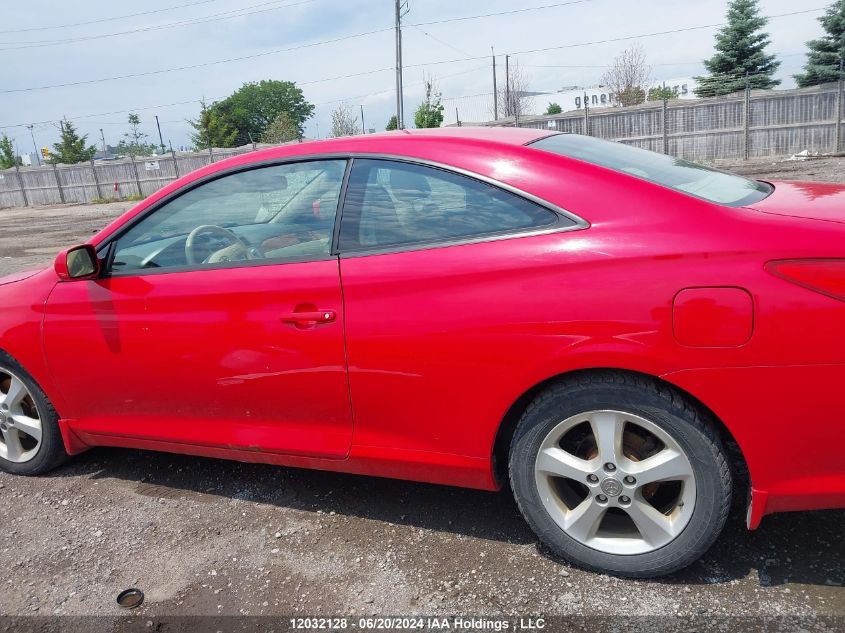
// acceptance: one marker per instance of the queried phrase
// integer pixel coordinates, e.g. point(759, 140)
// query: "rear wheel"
point(620, 475)
point(30, 442)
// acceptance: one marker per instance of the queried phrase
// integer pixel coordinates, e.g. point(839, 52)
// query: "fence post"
point(137, 178)
point(59, 183)
point(586, 116)
point(839, 110)
point(665, 127)
point(746, 122)
point(175, 163)
point(96, 180)
point(20, 184)
point(210, 155)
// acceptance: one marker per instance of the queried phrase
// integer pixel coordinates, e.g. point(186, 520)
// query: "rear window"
point(690, 178)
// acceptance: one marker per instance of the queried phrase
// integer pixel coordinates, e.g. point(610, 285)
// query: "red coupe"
point(613, 331)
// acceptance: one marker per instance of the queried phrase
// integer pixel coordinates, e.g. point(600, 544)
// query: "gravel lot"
point(209, 537)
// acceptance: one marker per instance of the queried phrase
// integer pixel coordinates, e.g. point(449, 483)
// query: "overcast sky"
point(260, 27)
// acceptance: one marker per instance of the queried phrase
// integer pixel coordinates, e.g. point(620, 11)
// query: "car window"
point(393, 203)
point(281, 212)
point(691, 178)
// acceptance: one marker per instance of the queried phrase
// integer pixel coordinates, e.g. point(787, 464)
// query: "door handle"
point(309, 318)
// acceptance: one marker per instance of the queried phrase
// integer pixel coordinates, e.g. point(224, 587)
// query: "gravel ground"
point(209, 537)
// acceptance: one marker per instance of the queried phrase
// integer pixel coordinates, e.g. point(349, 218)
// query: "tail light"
point(826, 276)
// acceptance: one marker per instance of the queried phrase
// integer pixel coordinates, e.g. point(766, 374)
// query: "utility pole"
point(103, 137)
point(160, 140)
point(34, 144)
point(495, 92)
point(401, 9)
point(839, 108)
point(363, 129)
point(507, 87)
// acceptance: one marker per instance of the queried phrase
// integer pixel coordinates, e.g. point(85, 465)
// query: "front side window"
point(691, 178)
point(390, 203)
point(279, 213)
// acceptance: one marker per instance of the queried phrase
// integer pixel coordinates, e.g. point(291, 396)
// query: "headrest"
point(408, 185)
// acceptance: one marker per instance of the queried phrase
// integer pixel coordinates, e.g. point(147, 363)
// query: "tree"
point(392, 124)
point(251, 108)
point(512, 97)
point(554, 108)
point(282, 129)
point(825, 53)
point(7, 153)
point(430, 112)
point(344, 121)
point(628, 76)
point(210, 130)
point(660, 93)
point(134, 142)
point(71, 148)
point(740, 54)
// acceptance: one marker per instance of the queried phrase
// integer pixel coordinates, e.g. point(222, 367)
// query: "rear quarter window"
point(693, 179)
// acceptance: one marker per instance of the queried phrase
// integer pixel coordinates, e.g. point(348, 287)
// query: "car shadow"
point(800, 547)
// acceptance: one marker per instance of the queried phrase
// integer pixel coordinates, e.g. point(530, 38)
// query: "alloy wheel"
point(20, 421)
point(615, 482)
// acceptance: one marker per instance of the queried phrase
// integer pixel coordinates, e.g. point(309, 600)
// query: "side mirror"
point(79, 262)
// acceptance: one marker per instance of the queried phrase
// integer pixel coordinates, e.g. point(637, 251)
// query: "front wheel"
point(30, 441)
point(619, 474)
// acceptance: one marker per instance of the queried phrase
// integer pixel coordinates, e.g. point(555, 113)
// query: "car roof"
point(403, 141)
point(508, 135)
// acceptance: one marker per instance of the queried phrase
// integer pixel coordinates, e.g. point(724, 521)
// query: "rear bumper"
point(789, 423)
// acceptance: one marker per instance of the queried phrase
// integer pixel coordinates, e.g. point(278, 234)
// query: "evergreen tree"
point(7, 153)
point(392, 124)
point(282, 129)
point(210, 130)
point(825, 53)
point(430, 111)
point(71, 148)
point(660, 93)
point(135, 142)
point(740, 53)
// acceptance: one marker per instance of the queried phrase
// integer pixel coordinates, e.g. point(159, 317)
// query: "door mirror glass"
point(79, 262)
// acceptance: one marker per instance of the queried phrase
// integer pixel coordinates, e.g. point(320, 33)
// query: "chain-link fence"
point(753, 123)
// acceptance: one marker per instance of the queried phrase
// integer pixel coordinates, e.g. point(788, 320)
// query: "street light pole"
point(363, 128)
point(495, 92)
point(31, 128)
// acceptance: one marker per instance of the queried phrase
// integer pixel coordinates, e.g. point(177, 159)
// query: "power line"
point(201, 65)
point(364, 34)
point(447, 44)
point(284, 50)
point(214, 17)
point(112, 19)
point(498, 13)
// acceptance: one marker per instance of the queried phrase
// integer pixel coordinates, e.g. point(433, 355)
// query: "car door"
point(441, 310)
point(218, 320)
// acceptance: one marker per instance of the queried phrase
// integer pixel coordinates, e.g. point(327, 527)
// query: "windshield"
point(697, 180)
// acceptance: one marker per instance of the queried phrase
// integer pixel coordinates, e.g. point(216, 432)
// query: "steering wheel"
point(238, 250)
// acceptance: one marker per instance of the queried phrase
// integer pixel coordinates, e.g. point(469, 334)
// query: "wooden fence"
point(101, 180)
point(744, 125)
point(751, 124)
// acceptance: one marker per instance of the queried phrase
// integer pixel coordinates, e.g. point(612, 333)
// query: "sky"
point(337, 51)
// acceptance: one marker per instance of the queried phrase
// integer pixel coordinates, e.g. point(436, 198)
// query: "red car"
point(611, 330)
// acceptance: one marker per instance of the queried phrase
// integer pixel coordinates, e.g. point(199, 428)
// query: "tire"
point(47, 452)
point(654, 532)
